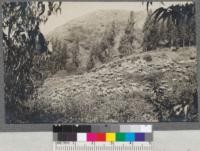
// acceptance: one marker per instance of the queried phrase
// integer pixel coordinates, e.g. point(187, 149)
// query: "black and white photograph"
point(99, 62)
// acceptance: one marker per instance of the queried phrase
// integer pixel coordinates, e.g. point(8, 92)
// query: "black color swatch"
point(70, 136)
point(57, 128)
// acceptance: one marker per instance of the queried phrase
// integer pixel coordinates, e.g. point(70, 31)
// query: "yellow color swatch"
point(110, 137)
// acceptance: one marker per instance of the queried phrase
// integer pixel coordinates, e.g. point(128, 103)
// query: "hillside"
point(123, 90)
point(98, 20)
point(89, 31)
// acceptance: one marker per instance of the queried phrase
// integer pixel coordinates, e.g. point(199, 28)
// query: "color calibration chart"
point(102, 137)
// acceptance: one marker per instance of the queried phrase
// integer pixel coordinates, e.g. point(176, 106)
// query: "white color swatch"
point(81, 137)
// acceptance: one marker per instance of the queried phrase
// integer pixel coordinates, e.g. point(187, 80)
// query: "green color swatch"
point(120, 137)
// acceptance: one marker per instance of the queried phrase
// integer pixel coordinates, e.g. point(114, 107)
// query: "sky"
point(71, 10)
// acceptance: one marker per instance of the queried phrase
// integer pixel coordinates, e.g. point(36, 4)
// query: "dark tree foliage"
point(21, 21)
point(151, 34)
point(107, 42)
point(75, 49)
point(57, 60)
point(102, 49)
point(150, 2)
point(126, 46)
point(178, 14)
point(176, 25)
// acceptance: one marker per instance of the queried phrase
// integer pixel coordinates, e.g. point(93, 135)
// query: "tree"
point(126, 44)
point(101, 50)
point(191, 32)
point(151, 34)
point(150, 2)
point(74, 46)
point(180, 16)
point(107, 42)
point(59, 57)
point(21, 22)
point(175, 25)
point(75, 53)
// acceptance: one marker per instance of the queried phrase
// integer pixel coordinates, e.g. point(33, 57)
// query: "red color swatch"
point(101, 137)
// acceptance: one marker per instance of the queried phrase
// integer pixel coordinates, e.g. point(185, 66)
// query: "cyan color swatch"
point(130, 137)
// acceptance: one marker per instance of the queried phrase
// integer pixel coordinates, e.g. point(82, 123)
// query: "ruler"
point(101, 146)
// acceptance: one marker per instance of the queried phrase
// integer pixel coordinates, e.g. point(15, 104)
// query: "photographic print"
point(98, 62)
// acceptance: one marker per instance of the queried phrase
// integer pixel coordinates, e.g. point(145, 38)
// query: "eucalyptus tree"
point(21, 28)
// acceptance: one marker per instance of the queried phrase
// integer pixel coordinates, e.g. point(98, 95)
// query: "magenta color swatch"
point(91, 137)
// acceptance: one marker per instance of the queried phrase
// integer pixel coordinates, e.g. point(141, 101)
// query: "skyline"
point(72, 10)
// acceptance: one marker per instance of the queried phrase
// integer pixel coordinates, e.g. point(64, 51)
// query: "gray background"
point(48, 127)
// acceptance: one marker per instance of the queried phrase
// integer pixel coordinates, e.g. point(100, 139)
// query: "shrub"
point(147, 57)
point(171, 105)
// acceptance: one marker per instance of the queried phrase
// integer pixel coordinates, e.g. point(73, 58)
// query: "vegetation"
point(147, 57)
point(177, 104)
point(21, 21)
point(57, 60)
point(126, 84)
point(92, 108)
point(151, 34)
point(175, 26)
point(172, 27)
point(106, 43)
point(126, 44)
point(103, 50)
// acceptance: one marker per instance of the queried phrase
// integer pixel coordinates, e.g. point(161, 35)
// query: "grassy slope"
point(114, 92)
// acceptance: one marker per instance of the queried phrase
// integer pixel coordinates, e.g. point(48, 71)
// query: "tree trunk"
point(189, 42)
point(171, 42)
